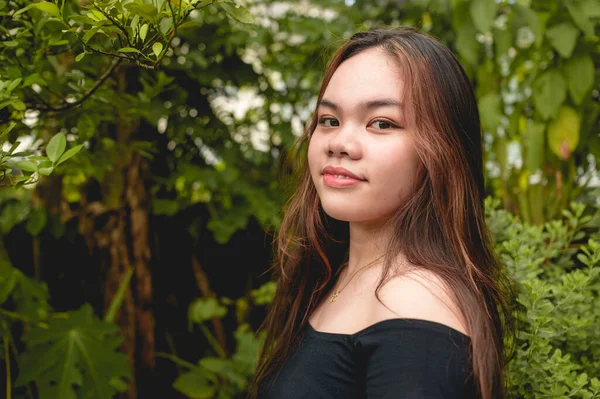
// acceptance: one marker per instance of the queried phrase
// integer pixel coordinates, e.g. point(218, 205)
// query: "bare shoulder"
point(420, 295)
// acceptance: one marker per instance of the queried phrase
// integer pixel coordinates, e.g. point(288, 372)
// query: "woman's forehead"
point(370, 75)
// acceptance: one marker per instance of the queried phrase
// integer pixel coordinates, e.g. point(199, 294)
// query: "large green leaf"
point(483, 13)
point(48, 7)
point(238, 13)
point(533, 21)
point(579, 71)
point(247, 348)
point(563, 132)
point(88, 35)
point(466, 41)
point(491, 114)
point(580, 13)
point(8, 129)
point(13, 212)
point(146, 10)
point(9, 277)
point(225, 368)
point(27, 166)
point(30, 297)
point(194, 385)
point(69, 153)
point(563, 38)
point(74, 357)
point(533, 142)
point(44, 6)
point(56, 146)
point(503, 41)
point(549, 92)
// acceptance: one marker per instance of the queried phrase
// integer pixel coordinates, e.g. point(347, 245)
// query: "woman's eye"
point(382, 125)
point(329, 122)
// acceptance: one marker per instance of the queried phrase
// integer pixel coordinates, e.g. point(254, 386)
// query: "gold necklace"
point(337, 293)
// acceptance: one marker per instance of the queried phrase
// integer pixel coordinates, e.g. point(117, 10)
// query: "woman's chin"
point(346, 214)
point(355, 213)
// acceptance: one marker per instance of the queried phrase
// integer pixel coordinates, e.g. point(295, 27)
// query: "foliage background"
point(142, 160)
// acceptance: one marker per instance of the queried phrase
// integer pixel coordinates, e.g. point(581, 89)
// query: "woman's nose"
point(344, 143)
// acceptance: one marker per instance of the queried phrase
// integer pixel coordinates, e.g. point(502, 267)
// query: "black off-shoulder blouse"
point(392, 359)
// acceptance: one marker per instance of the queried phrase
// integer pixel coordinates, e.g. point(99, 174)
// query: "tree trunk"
point(136, 199)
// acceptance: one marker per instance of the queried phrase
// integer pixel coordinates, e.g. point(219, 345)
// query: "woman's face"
point(361, 158)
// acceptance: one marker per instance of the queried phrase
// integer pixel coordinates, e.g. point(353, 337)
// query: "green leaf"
point(13, 147)
point(204, 309)
point(491, 113)
point(483, 13)
point(165, 207)
point(30, 298)
point(591, 7)
point(22, 10)
point(264, 294)
point(147, 10)
point(118, 384)
point(546, 332)
point(248, 348)
point(563, 38)
point(194, 385)
point(549, 92)
point(119, 296)
point(238, 13)
point(74, 357)
point(49, 8)
point(27, 166)
point(13, 85)
point(11, 43)
point(90, 33)
point(533, 21)
point(189, 24)
point(135, 22)
point(129, 50)
point(9, 277)
point(46, 167)
point(563, 133)
point(223, 367)
point(8, 129)
point(59, 43)
point(69, 153)
point(579, 71)
point(466, 43)
point(581, 15)
point(34, 78)
point(143, 31)
point(37, 221)
point(165, 25)
point(79, 57)
point(19, 105)
point(157, 48)
point(533, 142)
point(56, 147)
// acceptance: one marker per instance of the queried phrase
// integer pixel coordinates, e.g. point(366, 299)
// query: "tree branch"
point(86, 95)
point(116, 23)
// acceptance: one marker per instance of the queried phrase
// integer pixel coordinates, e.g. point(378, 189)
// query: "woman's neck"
point(367, 244)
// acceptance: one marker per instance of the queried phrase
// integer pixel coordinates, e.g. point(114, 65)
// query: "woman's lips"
point(340, 180)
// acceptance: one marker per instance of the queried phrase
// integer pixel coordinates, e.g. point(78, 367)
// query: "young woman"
point(387, 284)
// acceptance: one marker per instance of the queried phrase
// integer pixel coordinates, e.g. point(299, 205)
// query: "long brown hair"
point(440, 228)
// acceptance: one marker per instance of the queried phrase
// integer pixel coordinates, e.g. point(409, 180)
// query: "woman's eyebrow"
point(366, 105)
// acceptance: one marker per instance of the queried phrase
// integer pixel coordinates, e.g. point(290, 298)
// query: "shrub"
point(558, 309)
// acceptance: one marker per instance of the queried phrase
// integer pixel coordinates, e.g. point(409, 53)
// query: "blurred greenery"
point(128, 127)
